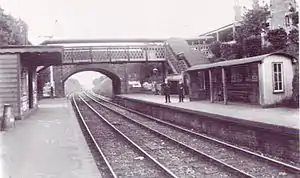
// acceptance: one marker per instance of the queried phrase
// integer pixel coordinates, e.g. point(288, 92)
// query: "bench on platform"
point(240, 92)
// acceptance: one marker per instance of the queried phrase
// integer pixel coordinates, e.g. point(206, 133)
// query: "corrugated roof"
point(235, 62)
point(30, 49)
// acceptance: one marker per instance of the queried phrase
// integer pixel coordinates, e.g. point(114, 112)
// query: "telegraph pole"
point(52, 84)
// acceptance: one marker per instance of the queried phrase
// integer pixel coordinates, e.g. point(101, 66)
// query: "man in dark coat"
point(181, 92)
point(51, 91)
point(166, 88)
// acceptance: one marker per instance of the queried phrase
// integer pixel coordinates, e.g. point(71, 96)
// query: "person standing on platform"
point(181, 92)
point(51, 91)
point(167, 92)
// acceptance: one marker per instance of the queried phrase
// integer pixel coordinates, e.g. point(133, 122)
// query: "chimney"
point(237, 11)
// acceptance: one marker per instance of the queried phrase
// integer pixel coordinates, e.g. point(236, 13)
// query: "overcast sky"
point(120, 18)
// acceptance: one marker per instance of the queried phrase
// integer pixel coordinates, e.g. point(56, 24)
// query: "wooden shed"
point(264, 80)
point(18, 77)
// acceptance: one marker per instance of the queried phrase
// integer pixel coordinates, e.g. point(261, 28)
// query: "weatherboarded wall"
point(9, 86)
point(268, 95)
point(24, 102)
point(28, 89)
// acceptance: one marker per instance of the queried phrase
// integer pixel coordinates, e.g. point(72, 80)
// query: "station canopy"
point(237, 61)
point(36, 55)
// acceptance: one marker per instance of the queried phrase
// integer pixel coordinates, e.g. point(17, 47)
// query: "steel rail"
point(168, 171)
point(262, 157)
point(231, 168)
point(94, 140)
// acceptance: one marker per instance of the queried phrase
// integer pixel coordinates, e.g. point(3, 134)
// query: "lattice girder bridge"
point(114, 54)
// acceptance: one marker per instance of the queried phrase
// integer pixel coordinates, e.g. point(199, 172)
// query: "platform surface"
point(47, 144)
point(286, 117)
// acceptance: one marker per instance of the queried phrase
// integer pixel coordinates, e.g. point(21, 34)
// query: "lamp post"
point(155, 72)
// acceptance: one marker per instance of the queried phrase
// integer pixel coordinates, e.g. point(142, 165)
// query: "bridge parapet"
point(111, 54)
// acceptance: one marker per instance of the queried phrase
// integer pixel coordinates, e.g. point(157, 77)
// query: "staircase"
point(176, 65)
point(192, 55)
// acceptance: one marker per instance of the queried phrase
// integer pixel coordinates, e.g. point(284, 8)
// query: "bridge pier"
point(59, 88)
point(125, 79)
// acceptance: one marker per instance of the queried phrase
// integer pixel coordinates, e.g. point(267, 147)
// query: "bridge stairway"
point(175, 46)
point(176, 65)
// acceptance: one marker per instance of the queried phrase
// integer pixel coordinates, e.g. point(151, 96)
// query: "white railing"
point(100, 54)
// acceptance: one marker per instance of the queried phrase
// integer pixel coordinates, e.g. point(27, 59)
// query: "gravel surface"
point(251, 149)
point(125, 160)
point(181, 161)
point(239, 160)
point(102, 167)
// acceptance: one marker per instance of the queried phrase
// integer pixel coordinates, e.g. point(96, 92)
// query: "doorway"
point(30, 89)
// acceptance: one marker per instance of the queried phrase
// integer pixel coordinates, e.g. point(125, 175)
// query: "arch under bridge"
point(118, 59)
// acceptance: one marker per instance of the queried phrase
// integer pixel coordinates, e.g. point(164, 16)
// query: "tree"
point(254, 21)
point(231, 51)
point(12, 31)
point(72, 85)
point(248, 33)
point(295, 84)
point(294, 36)
point(103, 86)
point(98, 81)
point(278, 38)
point(215, 48)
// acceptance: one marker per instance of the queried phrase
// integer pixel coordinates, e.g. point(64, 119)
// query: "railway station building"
point(18, 76)
point(262, 80)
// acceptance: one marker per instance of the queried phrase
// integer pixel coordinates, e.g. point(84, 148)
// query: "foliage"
point(294, 36)
point(238, 50)
point(248, 33)
point(230, 51)
point(215, 48)
point(295, 96)
point(267, 49)
point(12, 31)
point(98, 81)
point(103, 86)
point(72, 85)
point(278, 38)
point(252, 46)
point(293, 49)
point(254, 21)
point(294, 16)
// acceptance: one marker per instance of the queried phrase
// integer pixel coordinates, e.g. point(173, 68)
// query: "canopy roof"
point(236, 62)
point(36, 55)
point(30, 49)
point(115, 40)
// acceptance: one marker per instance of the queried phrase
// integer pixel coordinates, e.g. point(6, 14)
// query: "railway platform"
point(238, 112)
point(49, 143)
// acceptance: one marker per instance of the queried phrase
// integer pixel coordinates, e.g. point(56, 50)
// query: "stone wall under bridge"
point(119, 73)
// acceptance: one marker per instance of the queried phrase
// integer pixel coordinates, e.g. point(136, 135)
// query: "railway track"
point(253, 164)
point(120, 156)
point(181, 159)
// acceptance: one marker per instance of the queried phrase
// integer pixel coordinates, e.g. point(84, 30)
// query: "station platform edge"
point(235, 112)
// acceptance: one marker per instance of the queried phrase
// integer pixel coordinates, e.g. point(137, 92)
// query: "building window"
point(278, 77)
point(287, 21)
point(201, 77)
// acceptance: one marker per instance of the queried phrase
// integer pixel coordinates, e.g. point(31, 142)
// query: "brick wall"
point(119, 73)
